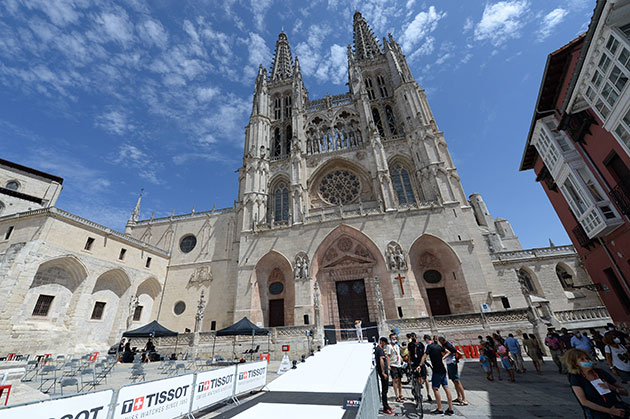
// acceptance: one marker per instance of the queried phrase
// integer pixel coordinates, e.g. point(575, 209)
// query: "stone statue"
point(395, 257)
point(300, 270)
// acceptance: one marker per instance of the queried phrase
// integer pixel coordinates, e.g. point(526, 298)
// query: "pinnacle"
point(365, 43)
point(282, 61)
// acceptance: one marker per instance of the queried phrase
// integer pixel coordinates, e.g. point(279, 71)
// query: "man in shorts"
point(451, 360)
point(435, 352)
point(395, 366)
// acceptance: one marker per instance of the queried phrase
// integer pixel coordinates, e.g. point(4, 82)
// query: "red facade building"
point(579, 148)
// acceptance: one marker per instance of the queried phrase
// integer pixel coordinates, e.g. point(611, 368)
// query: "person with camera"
point(596, 390)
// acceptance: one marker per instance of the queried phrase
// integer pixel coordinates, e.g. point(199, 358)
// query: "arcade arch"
point(345, 266)
point(440, 277)
point(274, 290)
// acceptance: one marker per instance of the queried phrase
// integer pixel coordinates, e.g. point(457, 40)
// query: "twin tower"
point(375, 148)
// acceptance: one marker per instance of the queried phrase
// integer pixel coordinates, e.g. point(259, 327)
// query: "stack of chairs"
point(137, 372)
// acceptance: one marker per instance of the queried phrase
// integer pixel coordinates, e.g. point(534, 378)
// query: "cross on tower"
point(399, 278)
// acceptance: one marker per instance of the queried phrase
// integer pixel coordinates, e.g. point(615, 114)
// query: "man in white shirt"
point(395, 365)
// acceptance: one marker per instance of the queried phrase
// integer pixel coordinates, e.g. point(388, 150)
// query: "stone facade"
point(349, 207)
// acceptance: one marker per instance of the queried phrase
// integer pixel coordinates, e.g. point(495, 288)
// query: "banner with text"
point(162, 399)
point(213, 386)
point(250, 376)
point(89, 405)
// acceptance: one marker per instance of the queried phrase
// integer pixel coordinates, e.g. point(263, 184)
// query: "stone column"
point(319, 328)
point(198, 318)
point(382, 327)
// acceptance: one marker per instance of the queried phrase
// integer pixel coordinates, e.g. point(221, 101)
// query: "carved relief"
point(344, 244)
point(202, 275)
point(300, 270)
point(395, 257)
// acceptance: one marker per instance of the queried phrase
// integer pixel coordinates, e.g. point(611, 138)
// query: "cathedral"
point(349, 208)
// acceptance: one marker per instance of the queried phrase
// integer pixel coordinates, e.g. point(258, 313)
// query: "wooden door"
point(352, 303)
point(438, 301)
point(276, 312)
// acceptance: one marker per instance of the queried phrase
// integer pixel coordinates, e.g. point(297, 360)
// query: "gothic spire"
point(282, 61)
point(365, 43)
point(135, 214)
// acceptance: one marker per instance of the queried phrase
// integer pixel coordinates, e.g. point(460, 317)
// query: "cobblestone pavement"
point(532, 395)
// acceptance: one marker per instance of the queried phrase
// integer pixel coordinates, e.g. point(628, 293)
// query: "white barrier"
point(160, 399)
point(84, 406)
point(213, 386)
point(250, 376)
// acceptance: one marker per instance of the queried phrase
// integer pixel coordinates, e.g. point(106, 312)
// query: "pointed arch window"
point(281, 203)
point(287, 107)
point(380, 80)
point(277, 110)
point(277, 143)
point(377, 120)
point(288, 138)
point(566, 279)
point(390, 120)
point(402, 185)
point(370, 88)
point(527, 280)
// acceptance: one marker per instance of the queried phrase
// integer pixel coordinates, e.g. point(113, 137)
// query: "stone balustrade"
point(537, 253)
point(583, 314)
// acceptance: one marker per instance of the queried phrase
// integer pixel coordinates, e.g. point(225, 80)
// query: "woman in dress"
point(490, 350)
point(538, 347)
point(596, 390)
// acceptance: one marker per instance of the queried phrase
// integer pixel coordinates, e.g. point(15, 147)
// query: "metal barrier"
point(370, 401)
point(166, 398)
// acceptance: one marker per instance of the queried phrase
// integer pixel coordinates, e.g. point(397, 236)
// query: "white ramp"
point(340, 368)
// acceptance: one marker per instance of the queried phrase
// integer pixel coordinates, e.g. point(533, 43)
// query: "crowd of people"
point(574, 353)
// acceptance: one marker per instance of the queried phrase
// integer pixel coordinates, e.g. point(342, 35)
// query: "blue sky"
point(119, 96)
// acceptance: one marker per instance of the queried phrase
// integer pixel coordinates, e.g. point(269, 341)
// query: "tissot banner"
point(89, 406)
point(213, 386)
point(162, 399)
point(250, 376)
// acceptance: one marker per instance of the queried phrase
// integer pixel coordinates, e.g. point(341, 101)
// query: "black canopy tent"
point(243, 327)
point(151, 330)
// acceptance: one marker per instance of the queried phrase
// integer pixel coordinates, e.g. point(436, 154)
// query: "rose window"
point(339, 187)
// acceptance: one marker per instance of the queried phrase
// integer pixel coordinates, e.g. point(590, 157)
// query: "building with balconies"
point(579, 148)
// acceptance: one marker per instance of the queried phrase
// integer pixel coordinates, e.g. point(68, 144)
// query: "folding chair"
point(45, 378)
point(88, 378)
point(180, 368)
point(170, 365)
point(32, 368)
point(136, 373)
point(68, 382)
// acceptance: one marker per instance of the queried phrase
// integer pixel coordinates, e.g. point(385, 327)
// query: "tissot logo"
point(251, 374)
point(214, 383)
point(153, 399)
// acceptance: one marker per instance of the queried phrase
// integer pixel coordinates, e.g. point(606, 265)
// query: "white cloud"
point(468, 25)
point(152, 32)
point(258, 53)
point(229, 119)
point(422, 25)
point(115, 122)
point(443, 58)
point(116, 26)
point(206, 94)
point(550, 21)
point(258, 9)
point(501, 21)
point(60, 12)
point(132, 157)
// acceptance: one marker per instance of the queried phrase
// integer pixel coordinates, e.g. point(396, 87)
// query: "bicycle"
point(416, 390)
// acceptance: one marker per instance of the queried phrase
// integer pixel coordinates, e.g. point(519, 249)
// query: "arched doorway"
point(438, 272)
point(350, 272)
point(274, 291)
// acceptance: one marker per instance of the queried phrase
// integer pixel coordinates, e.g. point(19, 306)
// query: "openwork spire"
point(282, 60)
point(135, 214)
point(365, 43)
